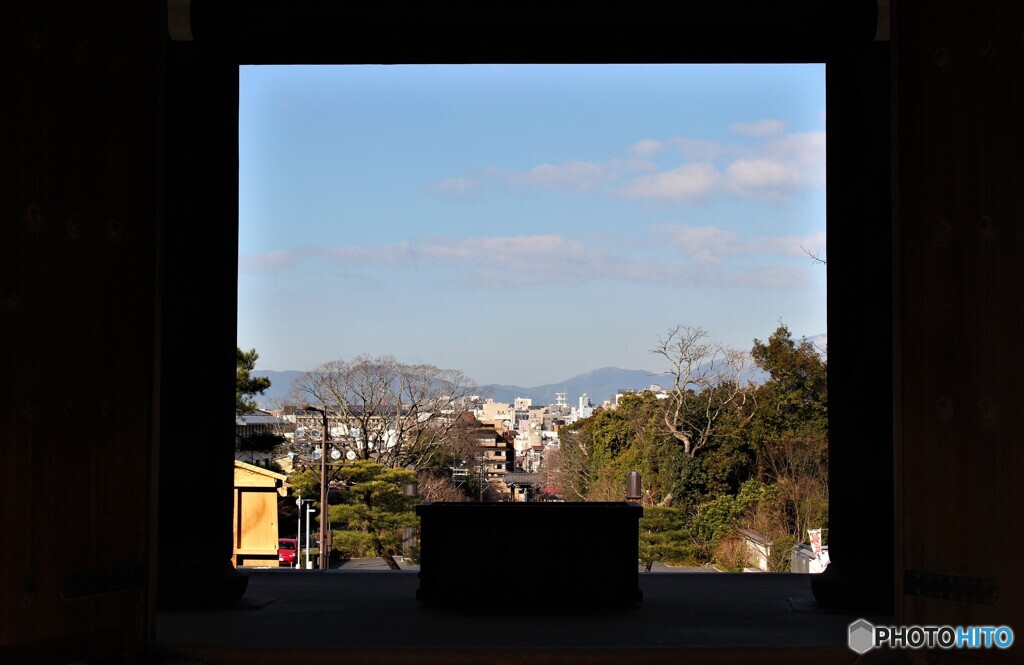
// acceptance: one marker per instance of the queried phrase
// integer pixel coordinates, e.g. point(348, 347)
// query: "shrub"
point(781, 554)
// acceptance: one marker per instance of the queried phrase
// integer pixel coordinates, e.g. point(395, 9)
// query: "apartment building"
point(495, 457)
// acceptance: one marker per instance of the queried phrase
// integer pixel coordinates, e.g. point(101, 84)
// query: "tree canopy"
point(247, 385)
point(373, 510)
point(714, 454)
point(402, 415)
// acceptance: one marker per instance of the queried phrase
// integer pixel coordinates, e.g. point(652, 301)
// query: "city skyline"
point(525, 224)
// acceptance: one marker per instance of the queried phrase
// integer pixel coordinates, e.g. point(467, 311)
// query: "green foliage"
point(246, 385)
point(751, 493)
point(795, 399)
point(789, 431)
point(306, 484)
point(762, 463)
point(599, 451)
point(353, 544)
point(373, 504)
point(664, 536)
point(780, 554)
point(717, 518)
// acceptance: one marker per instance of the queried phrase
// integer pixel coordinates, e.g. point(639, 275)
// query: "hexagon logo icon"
point(862, 636)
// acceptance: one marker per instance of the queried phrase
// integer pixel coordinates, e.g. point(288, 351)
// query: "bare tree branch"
point(706, 382)
point(817, 259)
point(568, 468)
point(401, 414)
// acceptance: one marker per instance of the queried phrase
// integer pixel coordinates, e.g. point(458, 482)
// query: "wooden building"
point(255, 515)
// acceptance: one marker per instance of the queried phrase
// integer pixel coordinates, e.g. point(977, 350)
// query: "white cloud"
point(516, 261)
point(772, 169)
point(481, 260)
point(571, 176)
point(766, 127)
point(689, 182)
point(760, 173)
point(459, 185)
point(804, 151)
point(520, 261)
point(776, 169)
point(704, 244)
point(775, 277)
point(630, 165)
point(789, 245)
point(646, 148)
point(267, 261)
point(698, 150)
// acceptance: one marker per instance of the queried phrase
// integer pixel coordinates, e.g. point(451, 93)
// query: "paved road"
point(660, 567)
point(373, 563)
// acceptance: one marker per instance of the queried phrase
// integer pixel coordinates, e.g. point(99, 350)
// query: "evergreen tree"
point(373, 510)
point(247, 385)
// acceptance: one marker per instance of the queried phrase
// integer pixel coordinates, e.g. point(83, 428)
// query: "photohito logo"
point(864, 636)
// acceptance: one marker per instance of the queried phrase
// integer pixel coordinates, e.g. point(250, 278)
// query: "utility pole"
point(324, 526)
point(323, 487)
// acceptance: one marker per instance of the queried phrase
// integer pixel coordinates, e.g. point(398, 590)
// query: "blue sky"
point(525, 224)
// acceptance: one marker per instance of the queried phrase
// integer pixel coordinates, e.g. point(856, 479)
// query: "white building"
point(586, 408)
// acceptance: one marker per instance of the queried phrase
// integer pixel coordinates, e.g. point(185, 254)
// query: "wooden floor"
point(292, 616)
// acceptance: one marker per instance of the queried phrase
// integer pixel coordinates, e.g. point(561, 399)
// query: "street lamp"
point(299, 541)
point(323, 487)
point(309, 509)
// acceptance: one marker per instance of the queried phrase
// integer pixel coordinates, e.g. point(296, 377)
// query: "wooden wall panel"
point(259, 520)
point(959, 174)
point(77, 277)
point(198, 292)
point(859, 266)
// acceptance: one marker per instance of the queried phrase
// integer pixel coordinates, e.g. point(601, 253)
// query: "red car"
point(287, 551)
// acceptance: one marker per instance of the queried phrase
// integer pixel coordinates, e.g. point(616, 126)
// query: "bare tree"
point(799, 467)
point(403, 415)
point(434, 488)
point(706, 383)
point(568, 466)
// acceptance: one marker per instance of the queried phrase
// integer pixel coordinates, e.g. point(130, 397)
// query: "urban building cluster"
point(509, 444)
point(508, 448)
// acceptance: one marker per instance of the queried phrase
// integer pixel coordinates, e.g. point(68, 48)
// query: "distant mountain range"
point(599, 384)
point(280, 384)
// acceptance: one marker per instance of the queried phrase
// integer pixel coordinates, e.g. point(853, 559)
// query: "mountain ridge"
point(599, 384)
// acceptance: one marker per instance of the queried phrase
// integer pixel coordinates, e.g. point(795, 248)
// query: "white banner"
point(815, 536)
